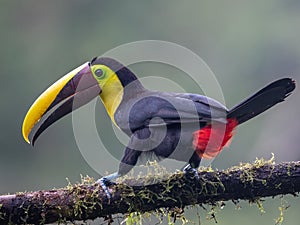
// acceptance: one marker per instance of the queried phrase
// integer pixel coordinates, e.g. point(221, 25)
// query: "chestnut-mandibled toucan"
point(185, 127)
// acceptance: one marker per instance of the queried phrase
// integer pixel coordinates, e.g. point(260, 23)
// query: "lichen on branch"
point(88, 201)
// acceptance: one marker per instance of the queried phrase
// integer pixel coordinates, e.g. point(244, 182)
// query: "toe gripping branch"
point(191, 172)
point(104, 183)
point(107, 181)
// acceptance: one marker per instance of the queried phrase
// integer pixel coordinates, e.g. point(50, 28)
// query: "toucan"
point(181, 126)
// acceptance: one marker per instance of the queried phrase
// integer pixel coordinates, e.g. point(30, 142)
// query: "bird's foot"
point(191, 172)
point(107, 181)
point(104, 183)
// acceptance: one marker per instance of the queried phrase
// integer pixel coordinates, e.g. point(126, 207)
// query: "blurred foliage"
point(246, 43)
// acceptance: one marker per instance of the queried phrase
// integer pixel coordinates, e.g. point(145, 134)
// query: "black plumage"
point(163, 123)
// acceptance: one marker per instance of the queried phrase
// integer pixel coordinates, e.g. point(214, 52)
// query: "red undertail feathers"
point(209, 141)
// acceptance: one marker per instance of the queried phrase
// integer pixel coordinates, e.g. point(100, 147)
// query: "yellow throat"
point(112, 94)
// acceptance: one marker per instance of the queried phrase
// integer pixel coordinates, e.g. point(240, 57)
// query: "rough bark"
point(82, 202)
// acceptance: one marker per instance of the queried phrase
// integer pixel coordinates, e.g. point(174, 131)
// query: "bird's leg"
point(107, 181)
point(191, 168)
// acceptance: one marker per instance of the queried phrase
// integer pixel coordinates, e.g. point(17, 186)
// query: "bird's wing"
point(195, 107)
point(161, 108)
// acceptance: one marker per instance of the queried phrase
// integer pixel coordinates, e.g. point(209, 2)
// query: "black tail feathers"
point(262, 100)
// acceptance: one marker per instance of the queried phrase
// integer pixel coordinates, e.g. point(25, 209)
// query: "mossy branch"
point(86, 201)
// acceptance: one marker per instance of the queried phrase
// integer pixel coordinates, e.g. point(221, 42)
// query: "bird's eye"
point(99, 73)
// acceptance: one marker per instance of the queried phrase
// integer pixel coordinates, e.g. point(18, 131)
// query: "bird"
point(181, 126)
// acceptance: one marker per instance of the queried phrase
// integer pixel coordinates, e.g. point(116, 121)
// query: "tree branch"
point(83, 201)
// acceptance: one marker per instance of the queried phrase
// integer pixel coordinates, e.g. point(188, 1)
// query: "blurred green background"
point(246, 43)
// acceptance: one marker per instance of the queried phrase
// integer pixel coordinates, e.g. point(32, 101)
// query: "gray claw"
point(191, 172)
point(104, 182)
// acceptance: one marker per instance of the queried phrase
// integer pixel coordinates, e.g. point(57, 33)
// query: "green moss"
point(212, 214)
point(2, 214)
point(289, 170)
point(259, 204)
point(282, 209)
point(86, 200)
point(248, 171)
point(134, 219)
